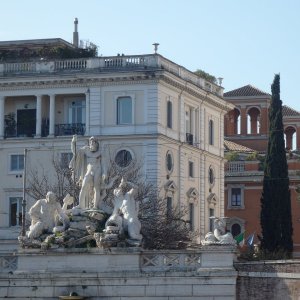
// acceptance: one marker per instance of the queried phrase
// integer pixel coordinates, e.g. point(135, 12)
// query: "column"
point(52, 116)
point(298, 138)
point(2, 102)
point(243, 121)
point(87, 112)
point(38, 129)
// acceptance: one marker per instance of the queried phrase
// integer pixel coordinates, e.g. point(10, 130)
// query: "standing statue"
point(105, 183)
point(45, 214)
point(125, 213)
point(86, 165)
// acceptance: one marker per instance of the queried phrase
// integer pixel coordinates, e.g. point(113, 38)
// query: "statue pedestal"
point(122, 273)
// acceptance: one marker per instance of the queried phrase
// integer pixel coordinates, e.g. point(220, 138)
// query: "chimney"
point(75, 34)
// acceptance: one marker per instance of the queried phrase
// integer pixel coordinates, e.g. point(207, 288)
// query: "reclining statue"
point(45, 215)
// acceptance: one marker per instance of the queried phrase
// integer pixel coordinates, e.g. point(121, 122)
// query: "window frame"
point(192, 216)
point(169, 154)
point(169, 114)
point(191, 169)
point(118, 117)
point(15, 200)
point(76, 108)
point(230, 194)
point(130, 162)
point(211, 132)
point(15, 171)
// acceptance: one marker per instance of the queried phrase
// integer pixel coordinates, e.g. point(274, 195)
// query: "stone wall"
point(268, 280)
point(120, 274)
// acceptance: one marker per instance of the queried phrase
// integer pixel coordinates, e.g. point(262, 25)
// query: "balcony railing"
point(120, 62)
point(235, 167)
point(69, 129)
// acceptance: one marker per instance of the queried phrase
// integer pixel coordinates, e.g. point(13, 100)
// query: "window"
point(169, 162)
point(191, 169)
point(65, 159)
point(77, 112)
point(124, 110)
point(236, 199)
point(123, 158)
point(236, 229)
point(211, 176)
point(169, 114)
point(211, 132)
point(236, 196)
point(15, 211)
point(191, 209)
point(169, 205)
point(17, 162)
point(211, 219)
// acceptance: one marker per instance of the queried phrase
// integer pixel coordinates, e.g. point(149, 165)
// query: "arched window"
point(124, 110)
point(211, 132)
point(236, 229)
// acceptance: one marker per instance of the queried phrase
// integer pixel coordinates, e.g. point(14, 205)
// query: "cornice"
point(75, 82)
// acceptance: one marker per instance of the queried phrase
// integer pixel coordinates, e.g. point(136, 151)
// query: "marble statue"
point(219, 235)
point(125, 214)
point(86, 163)
point(104, 185)
point(45, 214)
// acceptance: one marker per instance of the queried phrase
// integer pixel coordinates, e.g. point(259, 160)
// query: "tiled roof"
point(247, 90)
point(289, 112)
point(231, 146)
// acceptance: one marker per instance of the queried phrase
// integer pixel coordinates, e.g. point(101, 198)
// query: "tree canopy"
point(276, 222)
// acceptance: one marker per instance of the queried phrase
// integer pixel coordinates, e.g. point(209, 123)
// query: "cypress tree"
point(276, 221)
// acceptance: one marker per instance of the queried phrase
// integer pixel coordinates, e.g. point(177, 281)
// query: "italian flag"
point(240, 238)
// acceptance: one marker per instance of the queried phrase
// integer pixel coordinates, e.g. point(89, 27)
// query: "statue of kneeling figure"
point(125, 214)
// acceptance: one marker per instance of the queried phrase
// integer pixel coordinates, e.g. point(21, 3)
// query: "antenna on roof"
point(75, 34)
point(155, 47)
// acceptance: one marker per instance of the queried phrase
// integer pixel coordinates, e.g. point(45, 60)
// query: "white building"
point(140, 107)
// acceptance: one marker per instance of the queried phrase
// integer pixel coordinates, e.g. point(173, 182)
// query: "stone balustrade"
point(120, 62)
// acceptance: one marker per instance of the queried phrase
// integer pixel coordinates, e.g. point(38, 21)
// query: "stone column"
point(38, 129)
point(52, 116)
point(298, 138)
point(2, 103)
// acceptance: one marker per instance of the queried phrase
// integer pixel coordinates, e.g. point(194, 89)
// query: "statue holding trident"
point(86, 165)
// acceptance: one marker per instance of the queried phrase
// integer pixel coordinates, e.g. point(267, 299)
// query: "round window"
point(211, 176)
point(169, 161)
point(123, 158)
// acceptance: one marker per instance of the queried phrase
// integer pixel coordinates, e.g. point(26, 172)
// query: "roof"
point(246, 91)
point(231, 146)
point(36, 43)
point(289, 112)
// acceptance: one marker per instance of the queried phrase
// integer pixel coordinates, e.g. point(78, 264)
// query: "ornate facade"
point(141, 108)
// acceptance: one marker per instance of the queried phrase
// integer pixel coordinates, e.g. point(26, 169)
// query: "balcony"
point(100, 64)
point(189, 139)
point(69, 129)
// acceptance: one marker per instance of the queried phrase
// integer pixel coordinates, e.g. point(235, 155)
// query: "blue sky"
point(245, 42)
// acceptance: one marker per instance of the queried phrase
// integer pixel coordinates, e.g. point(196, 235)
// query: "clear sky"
point(243, 41)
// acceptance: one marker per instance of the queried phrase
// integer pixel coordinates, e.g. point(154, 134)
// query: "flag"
point(250, 240)
point(240, 238)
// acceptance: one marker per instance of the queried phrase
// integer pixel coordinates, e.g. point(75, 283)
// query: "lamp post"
point(24, 194)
